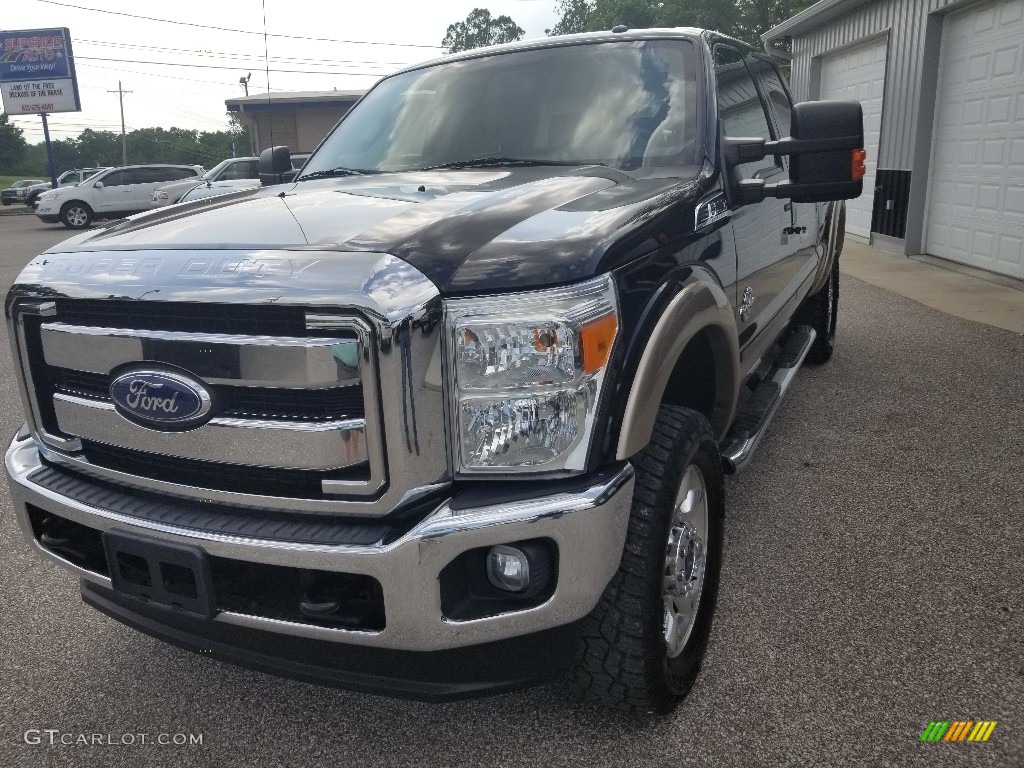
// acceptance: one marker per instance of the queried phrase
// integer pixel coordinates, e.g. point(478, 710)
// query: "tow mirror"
point(826, 149)
point(274, 163)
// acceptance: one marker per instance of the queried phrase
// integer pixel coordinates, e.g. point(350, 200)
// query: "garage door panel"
point(976, 185)
point(859, 74)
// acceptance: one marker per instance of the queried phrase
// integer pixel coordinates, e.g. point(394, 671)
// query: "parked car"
point(451, 413)
point(232, 169)
point(17, 191)
point(206, 190)
point(66, 179)
point(109, 194)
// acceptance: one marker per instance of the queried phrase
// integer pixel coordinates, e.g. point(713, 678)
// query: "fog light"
point(508, 569)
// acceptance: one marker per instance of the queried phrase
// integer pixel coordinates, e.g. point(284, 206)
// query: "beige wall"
point(299, 129)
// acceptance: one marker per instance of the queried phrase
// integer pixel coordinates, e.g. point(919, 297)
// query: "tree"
point(743, 19)
point(573, 16)
point(12, 144)
point(480, 29)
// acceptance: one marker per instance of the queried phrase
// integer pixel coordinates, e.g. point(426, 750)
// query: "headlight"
point(528, 371)
point(160, 194)
point(48, 195)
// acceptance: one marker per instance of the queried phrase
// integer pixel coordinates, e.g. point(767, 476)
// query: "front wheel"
point(644, 642)
point(75, 215)
point(5, 202)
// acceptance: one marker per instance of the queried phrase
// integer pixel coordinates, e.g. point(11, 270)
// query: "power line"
point(240, 31)
point(218, 66)
point(152, 74)
point(242, 56)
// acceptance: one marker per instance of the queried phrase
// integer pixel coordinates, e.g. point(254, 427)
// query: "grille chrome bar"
point(265, 361)
point(283, 444)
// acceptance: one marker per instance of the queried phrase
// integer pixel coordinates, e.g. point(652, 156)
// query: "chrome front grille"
point(290, 415)
point(324, 370)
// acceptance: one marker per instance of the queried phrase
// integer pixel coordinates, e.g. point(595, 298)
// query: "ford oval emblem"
point(158, 399)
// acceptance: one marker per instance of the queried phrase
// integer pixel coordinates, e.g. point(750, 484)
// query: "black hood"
point(466, 230)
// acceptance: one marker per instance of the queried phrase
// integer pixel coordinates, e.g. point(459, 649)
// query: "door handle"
point(788, 206)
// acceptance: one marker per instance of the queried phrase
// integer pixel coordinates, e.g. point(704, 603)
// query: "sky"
point(362, 40)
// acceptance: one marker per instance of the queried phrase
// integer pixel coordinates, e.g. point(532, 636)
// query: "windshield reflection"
point(628, 105)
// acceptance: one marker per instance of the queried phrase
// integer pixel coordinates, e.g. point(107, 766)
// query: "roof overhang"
point(809, 18)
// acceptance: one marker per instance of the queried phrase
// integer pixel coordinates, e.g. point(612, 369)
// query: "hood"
point(466, 230)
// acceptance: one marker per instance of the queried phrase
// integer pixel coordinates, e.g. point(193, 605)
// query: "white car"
point(110, 194)
point(232, 169)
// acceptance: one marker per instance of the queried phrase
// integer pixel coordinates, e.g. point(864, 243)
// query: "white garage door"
point(859, 73)
point(976, 192)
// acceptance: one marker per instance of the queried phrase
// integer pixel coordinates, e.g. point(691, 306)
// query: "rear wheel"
point(644, 642)
point(75, 215)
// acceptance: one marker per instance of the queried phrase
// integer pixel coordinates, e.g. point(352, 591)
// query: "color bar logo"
point(958, 730)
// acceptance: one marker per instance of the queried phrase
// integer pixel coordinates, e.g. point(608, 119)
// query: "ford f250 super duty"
point(450, 412)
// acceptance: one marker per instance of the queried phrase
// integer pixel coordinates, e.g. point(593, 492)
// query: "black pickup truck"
point(450, 413)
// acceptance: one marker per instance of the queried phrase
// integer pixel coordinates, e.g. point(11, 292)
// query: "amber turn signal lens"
point(860, 156)
point(596, 339)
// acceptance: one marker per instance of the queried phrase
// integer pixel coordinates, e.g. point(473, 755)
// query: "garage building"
point(294, 119)
point(942, 86)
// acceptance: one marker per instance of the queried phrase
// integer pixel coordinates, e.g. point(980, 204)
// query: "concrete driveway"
point(873, 581)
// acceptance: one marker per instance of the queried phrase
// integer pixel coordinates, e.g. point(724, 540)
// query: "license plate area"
point(175, 576)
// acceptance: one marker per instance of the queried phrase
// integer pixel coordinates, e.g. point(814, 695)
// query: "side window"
point(117, 179)
point(776, 93)
point(238, 171)
point(180, 174)
point(740, 109)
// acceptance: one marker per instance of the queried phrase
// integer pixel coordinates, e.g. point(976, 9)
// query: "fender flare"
point(700, 307)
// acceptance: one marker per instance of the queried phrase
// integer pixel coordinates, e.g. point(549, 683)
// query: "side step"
point(752, 422)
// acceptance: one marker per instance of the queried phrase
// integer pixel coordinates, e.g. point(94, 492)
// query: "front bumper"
point(587, 525)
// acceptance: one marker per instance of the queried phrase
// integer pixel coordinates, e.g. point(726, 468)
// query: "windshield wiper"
point(335, 172)
point(502, 162)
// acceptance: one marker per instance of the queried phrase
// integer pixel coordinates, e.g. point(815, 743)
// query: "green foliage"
point(480, 29)
point(743, 19)
point(12, 143)
point(145, 145)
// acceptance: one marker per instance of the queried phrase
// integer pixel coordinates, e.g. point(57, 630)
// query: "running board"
point(752, 422)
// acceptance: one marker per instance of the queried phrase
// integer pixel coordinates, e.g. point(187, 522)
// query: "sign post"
point(49, 152)
point(37, 77)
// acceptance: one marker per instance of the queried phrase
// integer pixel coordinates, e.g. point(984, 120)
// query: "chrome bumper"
point(588, 526)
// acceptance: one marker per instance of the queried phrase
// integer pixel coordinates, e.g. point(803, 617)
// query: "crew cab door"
point(117, 192)
point(804, 234)
point(767, 255)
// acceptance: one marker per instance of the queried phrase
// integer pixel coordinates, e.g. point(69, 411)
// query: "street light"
point(244, 82)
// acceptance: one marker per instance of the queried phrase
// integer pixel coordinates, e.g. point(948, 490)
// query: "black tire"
point(624, 660)
point(31, 199)
point(821, 310)
point(75, 214)
point(6, 202)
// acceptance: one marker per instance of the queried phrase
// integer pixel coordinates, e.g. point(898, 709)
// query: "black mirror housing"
point(274, 163)
point(826, 150)
point(829, 163)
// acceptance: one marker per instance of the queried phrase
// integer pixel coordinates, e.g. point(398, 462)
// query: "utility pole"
point(124, 144)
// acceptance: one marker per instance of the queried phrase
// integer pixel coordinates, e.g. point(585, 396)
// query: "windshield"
point(627, 105)
point(213, 173)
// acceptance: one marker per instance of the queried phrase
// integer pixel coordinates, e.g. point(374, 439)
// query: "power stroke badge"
point(160, 399)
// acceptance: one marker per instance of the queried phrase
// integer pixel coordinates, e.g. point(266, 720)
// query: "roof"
point(688, 33)
point(293, 98)
point(809, 18)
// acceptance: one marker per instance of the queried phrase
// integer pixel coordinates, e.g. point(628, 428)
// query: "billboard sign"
point(37, 72)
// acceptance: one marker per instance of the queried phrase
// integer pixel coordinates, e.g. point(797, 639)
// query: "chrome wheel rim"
point(685, 561)
point(77, 217)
